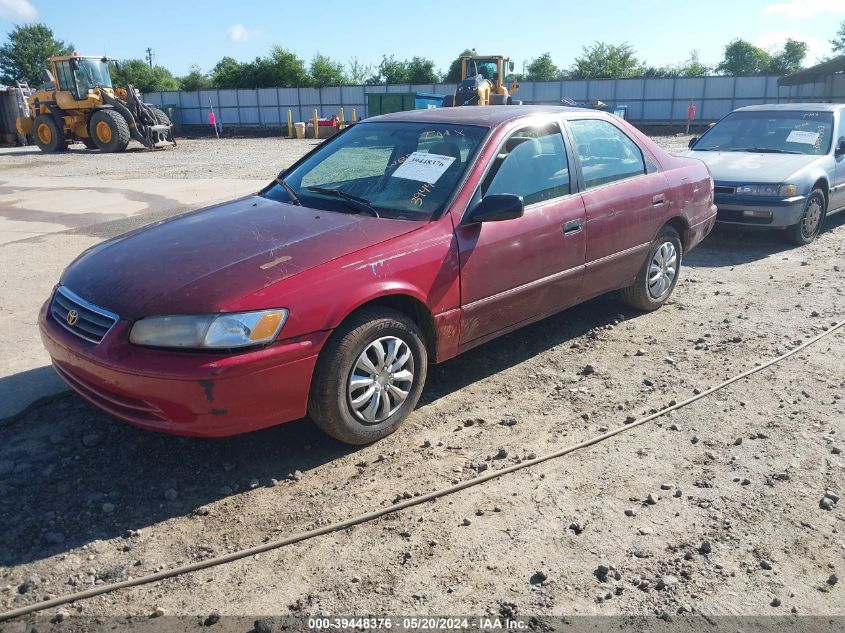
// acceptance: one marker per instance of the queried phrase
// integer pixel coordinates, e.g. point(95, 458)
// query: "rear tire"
point(810, 224)
point(657, 278)
point(351, 385)
point(109, 130)
point(89, 143)
point(49, 137)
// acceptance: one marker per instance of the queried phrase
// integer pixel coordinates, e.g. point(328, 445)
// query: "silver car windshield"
point(778, 132)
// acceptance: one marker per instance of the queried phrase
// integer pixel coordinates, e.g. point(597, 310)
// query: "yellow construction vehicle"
point(78, 100)
point(483, 82)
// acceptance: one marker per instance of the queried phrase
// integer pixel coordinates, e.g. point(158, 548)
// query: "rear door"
point(837, 195)
point(516, 270)
point(624, 197)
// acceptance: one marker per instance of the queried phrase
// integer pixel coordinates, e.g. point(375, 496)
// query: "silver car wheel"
point(662, 270)
point(812, 218)
point(381, 379)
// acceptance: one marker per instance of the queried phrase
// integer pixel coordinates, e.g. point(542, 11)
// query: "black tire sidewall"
point(637, 295)
point(58, 137)
point(334, 413)
point(797, 231)
point(116, 144)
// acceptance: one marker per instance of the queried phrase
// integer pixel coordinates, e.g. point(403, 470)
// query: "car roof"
point(488, 116)
point(800, 107)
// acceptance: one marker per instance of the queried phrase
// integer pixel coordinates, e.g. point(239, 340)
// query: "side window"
point(65, 77)
point(532, 164)
point(605, 152)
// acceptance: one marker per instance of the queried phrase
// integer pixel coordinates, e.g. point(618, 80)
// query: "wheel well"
point(821, 183)
point(680, 225)
point(414, 309)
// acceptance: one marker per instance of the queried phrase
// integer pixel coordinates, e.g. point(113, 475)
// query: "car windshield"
point(779, 132)
point(487, 68)
point(391, 170)
point(92, 73)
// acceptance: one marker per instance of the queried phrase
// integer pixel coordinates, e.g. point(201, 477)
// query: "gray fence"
point(648, 100)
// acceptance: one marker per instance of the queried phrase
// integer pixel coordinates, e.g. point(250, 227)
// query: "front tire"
point(369, 376)
point(810, 224)
point(657, 278)
point(49, 137)
point(109, 130)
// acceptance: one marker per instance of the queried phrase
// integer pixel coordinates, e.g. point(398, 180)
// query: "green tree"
point(542, 68)
point(358, 72)
point(226, 73)
point(288, 70)
point(788, 60)
point(24, 56)
point(453, 75)
point(194, 80)
point(743, 58)
point(838, 41)
point(326, 72)
point(392, 71)
point(606, 61)
point(138, 73)
point(421, 71)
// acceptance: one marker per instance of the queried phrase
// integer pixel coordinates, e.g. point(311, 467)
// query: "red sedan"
point(405, 240)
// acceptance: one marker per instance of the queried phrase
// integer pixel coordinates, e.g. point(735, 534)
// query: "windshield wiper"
point(357, 202)
point(765, 150)
point(291, 192)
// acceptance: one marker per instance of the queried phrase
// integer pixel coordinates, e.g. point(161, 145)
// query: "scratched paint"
point(275, 262)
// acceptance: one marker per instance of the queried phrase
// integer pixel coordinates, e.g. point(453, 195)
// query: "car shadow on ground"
point(71, 474)
point(732, 247)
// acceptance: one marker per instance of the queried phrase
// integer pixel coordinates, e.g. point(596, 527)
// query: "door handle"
point(572, 227)
point(658, 199)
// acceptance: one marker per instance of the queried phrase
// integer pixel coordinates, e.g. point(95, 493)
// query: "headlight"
point(215, 331)
point(782, 191)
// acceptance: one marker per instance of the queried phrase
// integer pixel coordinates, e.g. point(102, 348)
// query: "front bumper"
point(783, 212)
point(185, 393)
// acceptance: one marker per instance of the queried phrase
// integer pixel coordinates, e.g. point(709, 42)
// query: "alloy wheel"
point(381, 379)
point(662, 270)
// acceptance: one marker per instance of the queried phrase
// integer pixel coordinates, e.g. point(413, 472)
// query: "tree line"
point(24, 56)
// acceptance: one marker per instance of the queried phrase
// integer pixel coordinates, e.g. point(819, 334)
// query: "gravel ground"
point(726, 507)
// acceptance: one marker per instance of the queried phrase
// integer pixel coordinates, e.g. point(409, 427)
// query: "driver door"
point(518, 270)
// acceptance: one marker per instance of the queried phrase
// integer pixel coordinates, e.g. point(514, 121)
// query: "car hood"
point(199, 262)
point(750, 167)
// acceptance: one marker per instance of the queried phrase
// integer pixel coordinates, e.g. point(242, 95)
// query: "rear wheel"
point(369, 376)
point(659, 274)
point(109, 130)
point(89, 143)
point(810, 224)
point(48, 135)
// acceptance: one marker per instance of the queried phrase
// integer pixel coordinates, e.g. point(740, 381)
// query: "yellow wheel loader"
point(483, 82)
point(78, 100)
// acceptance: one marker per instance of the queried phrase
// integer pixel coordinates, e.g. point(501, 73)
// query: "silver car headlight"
point(213, 331)
point(782, 191)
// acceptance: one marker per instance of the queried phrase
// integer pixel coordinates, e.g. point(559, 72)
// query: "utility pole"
point(150, 57)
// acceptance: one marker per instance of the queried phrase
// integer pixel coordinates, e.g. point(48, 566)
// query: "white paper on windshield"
point(800, 136)
point(424, 167)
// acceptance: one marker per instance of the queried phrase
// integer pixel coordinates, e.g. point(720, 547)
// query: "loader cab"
point(78, 75)
point(493, 68)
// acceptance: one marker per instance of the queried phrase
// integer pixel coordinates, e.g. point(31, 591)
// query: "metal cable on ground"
point(396, 507)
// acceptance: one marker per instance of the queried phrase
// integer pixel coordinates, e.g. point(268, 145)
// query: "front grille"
point(730, 215)
point(78, 316)
point(724, 189)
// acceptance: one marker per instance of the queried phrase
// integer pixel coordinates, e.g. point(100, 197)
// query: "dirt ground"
point(715, 509)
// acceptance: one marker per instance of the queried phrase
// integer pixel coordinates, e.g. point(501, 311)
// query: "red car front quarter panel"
point(186, 393)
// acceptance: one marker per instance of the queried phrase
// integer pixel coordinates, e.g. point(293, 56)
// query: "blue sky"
point(183, 33)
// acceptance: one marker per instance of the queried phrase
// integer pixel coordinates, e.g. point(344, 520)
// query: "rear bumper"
point(194, 394)
point(782, 212)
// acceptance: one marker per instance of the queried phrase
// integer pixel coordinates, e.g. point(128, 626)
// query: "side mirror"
point(840, 149)
point(495, 208)
point(510, 66)
point(693, 141)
